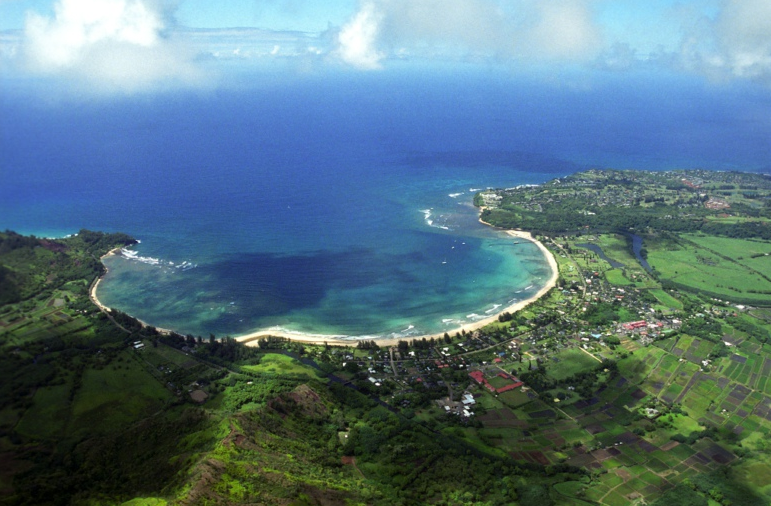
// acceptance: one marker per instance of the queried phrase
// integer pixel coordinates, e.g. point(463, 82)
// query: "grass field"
point(739, 249)
point(571, 361)
point(47, 416)
point(514, 398)
point(702, 268)
point(115, 395)
point(616, 277)
point(615, 248)
point(280, 364)
point(666, 299)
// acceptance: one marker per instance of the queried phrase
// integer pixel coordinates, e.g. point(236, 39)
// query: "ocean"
point(340, 203)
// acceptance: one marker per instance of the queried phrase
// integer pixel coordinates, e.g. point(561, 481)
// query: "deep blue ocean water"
point(342, 204)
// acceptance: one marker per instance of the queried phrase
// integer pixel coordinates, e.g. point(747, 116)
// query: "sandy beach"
point(95, 299)
point(92, 292)
point(252, 338)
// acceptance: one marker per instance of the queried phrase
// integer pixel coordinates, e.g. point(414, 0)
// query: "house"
point(635, 325)
point(477, 376)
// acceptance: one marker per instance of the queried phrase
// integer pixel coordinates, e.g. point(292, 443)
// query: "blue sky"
point(130, 46)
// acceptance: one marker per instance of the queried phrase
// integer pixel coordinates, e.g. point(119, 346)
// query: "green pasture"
point(498, 382)
point(616, 277)
point(274, 363)
point(145, 501)
point(741, 250)
point(666, 299)
point(567, 268)
point(709, 264)
point(571, 361)
point(734, 219)
point(755, 472)
point(168, 354)
point(762, 313)
point(616, 248)
point(115, 395)
point(47, 417)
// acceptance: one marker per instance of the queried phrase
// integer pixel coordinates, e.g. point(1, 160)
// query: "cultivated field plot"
point(719, 271)
point(638, 454)
point(667, 300)
point(755, 254)
point(514, 398)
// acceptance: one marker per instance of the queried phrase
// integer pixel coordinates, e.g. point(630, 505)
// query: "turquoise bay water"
point(416, 279)
point(380, 251)
point(341, 204)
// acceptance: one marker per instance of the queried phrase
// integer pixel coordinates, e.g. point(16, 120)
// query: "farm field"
point(703, 269)
point(753, 254)
point(666, 299)
point(739, 249)
point(711, 403)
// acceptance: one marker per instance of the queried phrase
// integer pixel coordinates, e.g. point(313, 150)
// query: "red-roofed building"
point(509, 387)
point(635, 325)
point(478, 376)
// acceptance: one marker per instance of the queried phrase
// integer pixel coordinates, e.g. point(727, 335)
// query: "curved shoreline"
point(251, 338)
point(106, 309)
point(95, 284)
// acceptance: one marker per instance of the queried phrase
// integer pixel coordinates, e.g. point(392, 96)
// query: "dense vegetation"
point(34, 267)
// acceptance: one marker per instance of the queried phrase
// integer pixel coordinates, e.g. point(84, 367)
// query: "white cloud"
point(357, 39)
point(112, 45)
point(744, 37)
point(736, 43)
point(519, 29)
point(565, 30)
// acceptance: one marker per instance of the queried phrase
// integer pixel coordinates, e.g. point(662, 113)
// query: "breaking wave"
point(136, 257)
point(428, 218)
